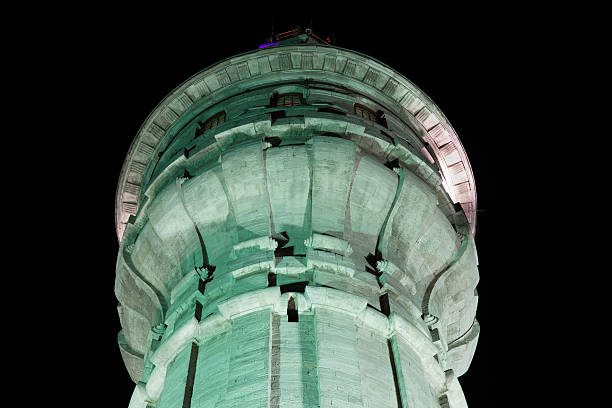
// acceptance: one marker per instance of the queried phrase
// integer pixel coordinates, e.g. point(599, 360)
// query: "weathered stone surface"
point(298, 255)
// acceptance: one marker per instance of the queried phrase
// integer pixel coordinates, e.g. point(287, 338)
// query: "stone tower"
point(296, 229)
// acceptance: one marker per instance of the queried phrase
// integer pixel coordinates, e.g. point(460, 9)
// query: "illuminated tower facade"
point(296, 228)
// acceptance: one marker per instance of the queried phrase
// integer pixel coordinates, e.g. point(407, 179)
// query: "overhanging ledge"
point(381, 81)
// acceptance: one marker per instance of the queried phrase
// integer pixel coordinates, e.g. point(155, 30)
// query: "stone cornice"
point(268, 65)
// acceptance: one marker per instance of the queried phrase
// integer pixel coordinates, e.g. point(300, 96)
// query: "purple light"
point(268, 44)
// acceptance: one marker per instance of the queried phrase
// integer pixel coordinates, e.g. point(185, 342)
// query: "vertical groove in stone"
point(271, 231)
point(193, 359)
point(396, 367)
point(385, 308)
point(274, 379)
point(308, 216)
point(179, 186)
point(398, 191)
point(348, 229)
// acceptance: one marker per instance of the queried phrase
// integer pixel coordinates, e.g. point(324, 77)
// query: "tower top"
point(302, 54)
point(282, 191)
point(295, 36)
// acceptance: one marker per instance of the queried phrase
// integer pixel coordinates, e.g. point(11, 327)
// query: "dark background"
point(112, 70)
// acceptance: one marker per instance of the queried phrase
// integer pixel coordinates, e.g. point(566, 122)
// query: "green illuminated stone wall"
point(293, 256)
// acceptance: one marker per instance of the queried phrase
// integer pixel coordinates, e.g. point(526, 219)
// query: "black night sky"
point(123, 67)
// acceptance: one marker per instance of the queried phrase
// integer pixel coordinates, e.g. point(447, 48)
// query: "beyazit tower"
point(296, 229)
